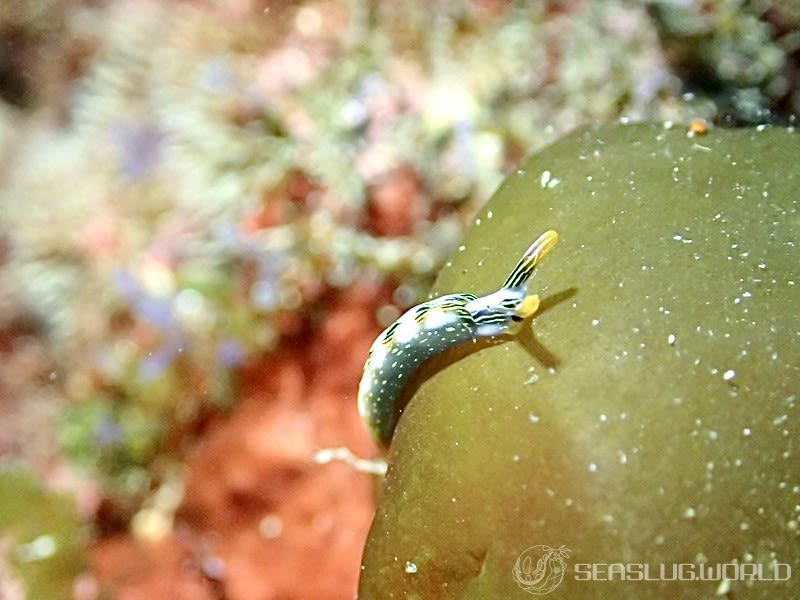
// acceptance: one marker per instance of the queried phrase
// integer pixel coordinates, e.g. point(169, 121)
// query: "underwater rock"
point(650, 418)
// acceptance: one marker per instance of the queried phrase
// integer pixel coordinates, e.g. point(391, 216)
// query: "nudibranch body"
point(434, 326)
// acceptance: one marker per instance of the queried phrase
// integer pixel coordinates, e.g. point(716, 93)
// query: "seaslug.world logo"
point(540, 569)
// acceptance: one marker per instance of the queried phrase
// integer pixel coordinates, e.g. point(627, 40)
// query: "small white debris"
point(41, 548)
point(729, 375)
point(548, 181)
point(671, 339)
point(780, 420)
point(724, 587)
point(532, 379)
point(271, 527)
point(410, 567)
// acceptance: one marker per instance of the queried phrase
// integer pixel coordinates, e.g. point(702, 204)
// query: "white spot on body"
point(490, 330)
point(437, 318)
point(378, 353)
point(407, 330)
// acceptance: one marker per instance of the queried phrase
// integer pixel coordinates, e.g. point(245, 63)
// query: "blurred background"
point(208, 210)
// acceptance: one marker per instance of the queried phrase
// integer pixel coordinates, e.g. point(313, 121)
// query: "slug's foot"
point(373, 466)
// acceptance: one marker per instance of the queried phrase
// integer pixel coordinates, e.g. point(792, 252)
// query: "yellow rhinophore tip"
point(529, 306)
point(544, 243)
point(533, 256)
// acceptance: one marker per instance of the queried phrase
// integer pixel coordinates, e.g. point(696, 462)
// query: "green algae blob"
point(42, 540)
point(651, 417)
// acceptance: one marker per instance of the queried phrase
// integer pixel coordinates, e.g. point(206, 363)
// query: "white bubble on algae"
point(410, 567)
point(547, 180)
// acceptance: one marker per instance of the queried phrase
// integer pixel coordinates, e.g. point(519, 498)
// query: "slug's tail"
point(532, 257)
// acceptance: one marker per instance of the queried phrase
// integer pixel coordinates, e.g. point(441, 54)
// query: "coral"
point(744, 55)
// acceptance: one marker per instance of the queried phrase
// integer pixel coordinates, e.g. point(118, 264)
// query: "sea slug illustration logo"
point(540, 569)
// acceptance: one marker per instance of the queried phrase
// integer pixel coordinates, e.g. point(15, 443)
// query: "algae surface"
point(650, 417)
point(42, 540)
